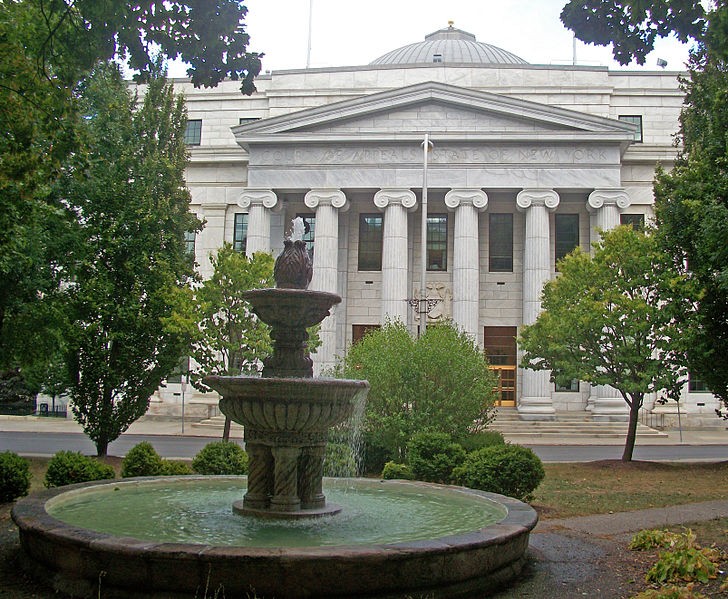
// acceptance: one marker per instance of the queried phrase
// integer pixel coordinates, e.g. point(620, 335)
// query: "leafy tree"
point(632, 26)
point(47, 48)
point(229, 338)
point(440, 382)
point(691, 207)
point(130, 262)
point(605, 321)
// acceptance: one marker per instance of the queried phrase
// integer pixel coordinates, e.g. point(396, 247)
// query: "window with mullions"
point(695, 385)
point(635, 119)
point(567, 234)
point(437, 242)
point(309, 231)
point(240, 232)
point(500, 243)
point(193, 132)
point(190, 242)
point(636, 221)
point(572, 386)
point(370, 241)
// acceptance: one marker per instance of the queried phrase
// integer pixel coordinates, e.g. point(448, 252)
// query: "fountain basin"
point(466, 563)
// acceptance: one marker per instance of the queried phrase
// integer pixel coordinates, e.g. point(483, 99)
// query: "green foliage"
point(339, 460)
point(605, 321)
point(433, 456)
point(440, 382)
point(14, 476)
point(221, 457)
point(142, 460)
point(375, 456)
point(480, 439)
point(691, 208)
point(393, 470)
point(654, 539)
point(70, 467)
point(228, 338)
point(176, 468)
point(671, 592)
point(130, 259)
point(686, 564)
point(510, 470)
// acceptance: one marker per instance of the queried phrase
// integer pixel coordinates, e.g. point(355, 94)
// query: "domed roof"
point(449, 45)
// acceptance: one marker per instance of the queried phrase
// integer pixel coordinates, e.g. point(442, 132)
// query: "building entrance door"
point(500, 349)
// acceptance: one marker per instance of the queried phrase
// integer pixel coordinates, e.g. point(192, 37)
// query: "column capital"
point(331, 197)
point(537, 197)
point(476, 198)
point(615, 196)
point(405, 197)
point(258, 197)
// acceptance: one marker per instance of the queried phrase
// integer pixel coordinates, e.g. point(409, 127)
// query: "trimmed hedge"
point(510, 470)
point(433, 456)
point(142, 460)
point(14, 476)
point(221, 457)
point(393, 470)
point(70, 467)
point(486, 438)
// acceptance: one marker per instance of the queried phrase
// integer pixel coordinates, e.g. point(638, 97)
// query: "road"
point(174, 446)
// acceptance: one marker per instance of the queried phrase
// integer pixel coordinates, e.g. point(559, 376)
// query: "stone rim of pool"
point(77, 560)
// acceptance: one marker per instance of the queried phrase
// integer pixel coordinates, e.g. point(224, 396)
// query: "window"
point(193, 133)
point(181, 372)
point(696, 385)
point(359, 330)
point(567, 234)
point(637, 221)
point(437, 242)
point(309, 231)
point(635, 119)
point(240, 232)
point(190, 242)
point(572, 386)
point(500, 243)
point(370, 241)
point(437, 58)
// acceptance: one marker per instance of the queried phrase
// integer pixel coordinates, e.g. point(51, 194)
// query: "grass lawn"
point(580, 489)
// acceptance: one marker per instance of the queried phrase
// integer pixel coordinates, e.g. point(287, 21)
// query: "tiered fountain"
point(177, 537)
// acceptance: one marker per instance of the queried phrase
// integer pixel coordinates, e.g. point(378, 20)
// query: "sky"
point(347, 33)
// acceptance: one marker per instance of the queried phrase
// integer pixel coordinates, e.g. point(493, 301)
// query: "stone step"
point(216, 423)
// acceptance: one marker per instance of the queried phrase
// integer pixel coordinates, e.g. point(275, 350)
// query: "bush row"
point(483, 462)
point(69, 467)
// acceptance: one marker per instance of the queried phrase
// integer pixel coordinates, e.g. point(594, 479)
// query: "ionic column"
point(535, 402)
point(466, 203)
point(327, 203)
point(605, 205)
point(258, 203)
point(395, 203)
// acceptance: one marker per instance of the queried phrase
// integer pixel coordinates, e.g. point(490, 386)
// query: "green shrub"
point(687, 564)
point(14, 476)
point(175, 468)
point(510, 470)
point(221, 457)
point(375, 455)
point(142, 460)
point(69, 467)
point(434, 456)
point(646, 540)
point(393, 470)
point(487, 438)
point(671, 592)
point(339, 460)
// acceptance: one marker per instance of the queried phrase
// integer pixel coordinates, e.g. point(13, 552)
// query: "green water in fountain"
point(199, 511)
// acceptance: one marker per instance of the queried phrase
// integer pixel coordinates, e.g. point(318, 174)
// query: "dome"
point(449, 45)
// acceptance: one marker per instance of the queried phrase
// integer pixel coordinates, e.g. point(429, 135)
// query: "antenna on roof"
point(450, 24)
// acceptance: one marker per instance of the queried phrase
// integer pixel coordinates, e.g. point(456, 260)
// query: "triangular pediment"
point(435, 108)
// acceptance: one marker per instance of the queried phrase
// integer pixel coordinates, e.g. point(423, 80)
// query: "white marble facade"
point(530, 141)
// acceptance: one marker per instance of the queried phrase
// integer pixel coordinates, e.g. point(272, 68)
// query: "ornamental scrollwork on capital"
point(404, 197)
point(600, 197)
point(333, 197)
point(257, 197)
point(477, 198)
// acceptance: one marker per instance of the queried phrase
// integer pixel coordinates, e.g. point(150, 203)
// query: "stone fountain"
point(286, 419)
point(177, 537)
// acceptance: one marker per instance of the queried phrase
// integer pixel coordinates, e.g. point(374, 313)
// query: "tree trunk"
point(634, 412)
point(102, 447)
point(226, 429)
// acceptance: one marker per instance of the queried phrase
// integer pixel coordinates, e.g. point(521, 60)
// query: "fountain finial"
point(293, 268)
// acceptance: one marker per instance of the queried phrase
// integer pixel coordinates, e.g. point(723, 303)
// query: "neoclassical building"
point(527, 161)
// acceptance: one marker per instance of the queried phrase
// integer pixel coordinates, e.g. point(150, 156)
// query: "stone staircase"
point(216, 424)
point(566, 425)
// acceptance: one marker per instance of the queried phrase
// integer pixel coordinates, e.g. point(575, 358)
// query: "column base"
point(610, 409)
point(536, 408)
